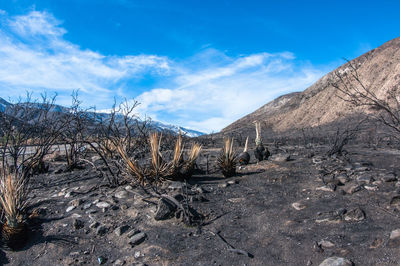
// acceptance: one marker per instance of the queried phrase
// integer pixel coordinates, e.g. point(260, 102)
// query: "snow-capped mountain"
point(104, 116)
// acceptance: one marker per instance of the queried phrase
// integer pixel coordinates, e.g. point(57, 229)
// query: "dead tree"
point(353, 89)
point(28, 130)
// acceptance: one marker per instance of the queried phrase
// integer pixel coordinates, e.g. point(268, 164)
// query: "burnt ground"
point(296, 210)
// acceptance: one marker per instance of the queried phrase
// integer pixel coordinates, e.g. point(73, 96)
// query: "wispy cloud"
point(205, 92)
point(34, 56)
point(217, 94)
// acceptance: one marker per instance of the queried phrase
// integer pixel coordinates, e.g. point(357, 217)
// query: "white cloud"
point(205, 92)
point(34, 56)
point(211, 97)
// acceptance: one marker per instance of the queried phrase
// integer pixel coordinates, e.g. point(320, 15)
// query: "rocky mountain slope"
point(379, 69)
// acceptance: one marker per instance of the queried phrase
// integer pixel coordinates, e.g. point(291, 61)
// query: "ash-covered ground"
point(298, 208)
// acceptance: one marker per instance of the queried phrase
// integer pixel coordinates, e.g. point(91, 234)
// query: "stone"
point(376, 243)
point(121, 230)
point(232, 182)
point(133, 232)
point(354, 215)
point(326, 244)
point(336, 261)
point(70, 208)
point(87, 206)
point(94, 225)
point(76, 202)
point(394, 239)
point(280, 157)
point(389, 178)
point(365, 179)
point(351, 188)
point(119, 262)
point(395, 202)
point(371, 188)
point(327, 188)
point(102, 230)
point(165, 210)
point(103, 204)
point(223, 185)
point(69, 194)
point(176, 185)
point(298, 206)
point(137, 239)
point(121, 194)
point(78, 224)
point(101, 260)
point(343, 178)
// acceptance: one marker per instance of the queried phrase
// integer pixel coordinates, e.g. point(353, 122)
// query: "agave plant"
point(227, 159)
point(13, 200)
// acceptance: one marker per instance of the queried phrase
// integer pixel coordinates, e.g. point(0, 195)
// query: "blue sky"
point(198, 64)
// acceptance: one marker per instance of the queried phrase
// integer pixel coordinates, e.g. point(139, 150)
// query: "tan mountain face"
point(379, 70)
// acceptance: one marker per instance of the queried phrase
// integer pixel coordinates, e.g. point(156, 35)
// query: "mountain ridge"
point(319, 104)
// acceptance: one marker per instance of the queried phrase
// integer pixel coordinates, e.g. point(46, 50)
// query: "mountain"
point(378, 69)
point(103, 116)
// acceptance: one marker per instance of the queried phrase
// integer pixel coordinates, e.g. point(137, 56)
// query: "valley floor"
point(285, 211)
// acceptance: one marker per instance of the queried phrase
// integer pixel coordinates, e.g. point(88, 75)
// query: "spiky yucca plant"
point(13, 199)
point(189, 164)
point(132, 167)
point(159, 167)
point(227, 159)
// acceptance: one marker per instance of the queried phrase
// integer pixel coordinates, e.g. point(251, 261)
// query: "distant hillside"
point(379, 69)
point(4, 105)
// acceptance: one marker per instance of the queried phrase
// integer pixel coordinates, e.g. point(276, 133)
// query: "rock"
point(330, 179)
point(223, 185)
point(326, 244)
point(87, 206)
point(376, 243)
point(298, 206)
point(133, 232)
point(94, 225)
point(78, 224)
point(101, 260)
point(327, 188)
point(365, 179)
point(69, 194)
point(102, 230)
point(389, 178)
point(394, 240)
point(121, 229)
point(354, 215)
point(232, 182)
point(176, 185)
point(103, 204)
point(137, 239)
point(351, 188)
point(336, 261)
point(121, 194)
point(70, 208)
point(280, 157)
point(395, 202)
point(119, 262)
point(371, 188)
point(343, 178)
point(165, 210)
point(76, 202)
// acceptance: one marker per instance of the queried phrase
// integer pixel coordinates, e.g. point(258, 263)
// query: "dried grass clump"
point(13, 199)
point(131, 166)
point(160, 170)
point(227, 159)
